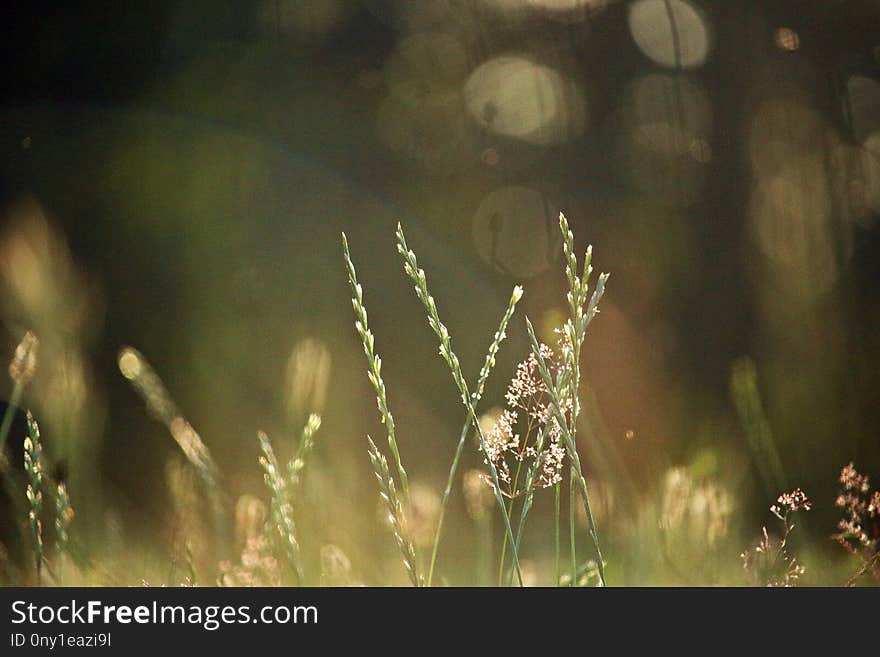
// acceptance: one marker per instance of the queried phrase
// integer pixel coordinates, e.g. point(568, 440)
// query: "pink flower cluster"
point(528, 403)
point(858, 527)
point(787, 503)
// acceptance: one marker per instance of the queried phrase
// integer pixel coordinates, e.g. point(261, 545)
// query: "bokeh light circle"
point(516, 231)
point(787, 39)
point(672, 33)
point(515, 97)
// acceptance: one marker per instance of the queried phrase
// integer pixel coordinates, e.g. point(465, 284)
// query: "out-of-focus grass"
point(685, 526)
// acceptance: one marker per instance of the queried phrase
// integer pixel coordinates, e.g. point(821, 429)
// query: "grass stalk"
point(63, 517)
point(398, 503)
point(417, 276)
point(556, 501)
point(21, 371)
point(503, 560)
point(388, 492)
point(581, 313)
point(281, 507)
point(306, 444)
point(556, 406)
point(33, 465)
point(375, 372)
point(572, 538)
point(753, 417)
point(138, 371)
point(529, 494)
point(488, 364)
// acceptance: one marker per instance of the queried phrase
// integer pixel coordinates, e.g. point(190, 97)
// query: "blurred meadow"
point(175, 179)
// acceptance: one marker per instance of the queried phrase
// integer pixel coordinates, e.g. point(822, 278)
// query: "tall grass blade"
point(21, 371)
point(33, 466)
point(63, 518)
point(556, 406)
point(398, 504)
point(489, 363)
point(750, 408)
point(135, 368)
point(306, 444)
point(388, 492)
point(281, 508)
point(417, 276)
point(375, 371)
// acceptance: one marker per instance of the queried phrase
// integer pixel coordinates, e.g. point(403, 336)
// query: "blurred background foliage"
point(176, 175)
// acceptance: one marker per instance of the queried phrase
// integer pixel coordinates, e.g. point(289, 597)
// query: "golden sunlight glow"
point(129, 364)
point(787, 39)
point(307, 377)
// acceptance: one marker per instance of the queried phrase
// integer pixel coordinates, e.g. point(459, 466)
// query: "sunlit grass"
point(685, 520)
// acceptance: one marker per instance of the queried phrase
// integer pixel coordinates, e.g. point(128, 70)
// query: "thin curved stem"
point(417, 276)
point(488, 364)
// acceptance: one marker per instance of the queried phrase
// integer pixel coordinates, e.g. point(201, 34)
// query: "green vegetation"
point(544, 398)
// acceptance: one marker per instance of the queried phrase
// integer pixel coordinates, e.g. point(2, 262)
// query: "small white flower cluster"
point(501, 439)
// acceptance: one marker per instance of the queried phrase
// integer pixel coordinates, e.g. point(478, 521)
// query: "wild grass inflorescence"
point(63, 518)
point(546, 389)
point(33, 466)
point(396, 516)
point(307, 442)
point(283, 491)
point(281, 506)
point(398, 511)
point(417, 276)
point(21, 371)
point(528, 448)
point(564, 389)
point(859, 529)
point(489, 363)
point(770, 563)
point(137, 370)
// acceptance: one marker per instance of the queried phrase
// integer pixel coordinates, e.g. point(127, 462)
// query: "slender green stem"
point(509, 513)
point(489, 363)
point(572, 540)
point(502, 560)
point(33, 465)
point(556, 407)
point(556, 523)
point(388, 493)
point(529, 494)
point(375, 372)
point(306, 444)
point(147, 383)
point(417, 276)
point(450, 481)
point(281, 507)
point(399, 505)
